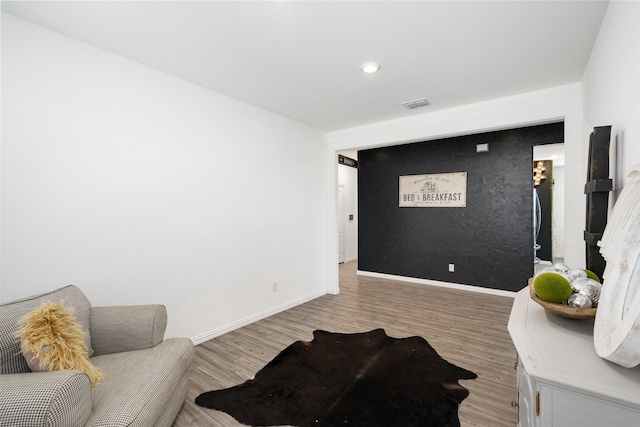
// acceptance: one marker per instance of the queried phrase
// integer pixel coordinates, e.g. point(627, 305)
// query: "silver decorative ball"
point(579, 300)
point(575, 273)
point(589, 288)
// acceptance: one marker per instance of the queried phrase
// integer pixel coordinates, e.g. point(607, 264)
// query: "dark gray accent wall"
point(490, 241)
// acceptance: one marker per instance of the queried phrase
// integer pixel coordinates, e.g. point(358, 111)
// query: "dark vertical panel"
point(597, 190)
point(490, 241)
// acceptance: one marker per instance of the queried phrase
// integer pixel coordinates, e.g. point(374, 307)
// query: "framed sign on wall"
point(442, 190)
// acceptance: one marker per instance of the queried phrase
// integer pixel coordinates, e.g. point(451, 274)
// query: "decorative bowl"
point(562, 310)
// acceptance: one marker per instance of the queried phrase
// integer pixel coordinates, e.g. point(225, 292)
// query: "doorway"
point(340, 219)
point(347, 209)
point(551, 192)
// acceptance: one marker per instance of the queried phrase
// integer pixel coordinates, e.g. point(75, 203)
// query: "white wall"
point(140, 187)
point(558, 214)
point(544, 106)
point(348, 177)
point(611, 84)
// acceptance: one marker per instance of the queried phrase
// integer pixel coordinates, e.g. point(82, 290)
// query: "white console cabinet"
point(562, 382)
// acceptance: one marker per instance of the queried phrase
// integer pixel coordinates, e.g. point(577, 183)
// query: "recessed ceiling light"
point(370, 67)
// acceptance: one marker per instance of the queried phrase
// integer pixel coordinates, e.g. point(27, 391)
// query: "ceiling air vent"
point(416, 103)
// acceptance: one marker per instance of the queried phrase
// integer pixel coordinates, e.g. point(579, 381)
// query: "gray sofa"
point(146, 377)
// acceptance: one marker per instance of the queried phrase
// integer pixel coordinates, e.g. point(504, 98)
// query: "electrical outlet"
point(451, 268)
point(275, 286)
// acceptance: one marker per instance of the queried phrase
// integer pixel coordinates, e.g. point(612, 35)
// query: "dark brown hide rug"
point(366, 379)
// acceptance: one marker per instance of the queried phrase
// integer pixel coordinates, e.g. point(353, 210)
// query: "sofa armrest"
point(58, 398)
point(125, 328)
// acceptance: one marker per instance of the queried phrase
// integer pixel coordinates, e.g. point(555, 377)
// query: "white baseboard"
point(429, 282)
point(254, 318)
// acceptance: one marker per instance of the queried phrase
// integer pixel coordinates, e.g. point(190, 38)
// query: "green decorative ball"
point(592, 275)
point(552, 287)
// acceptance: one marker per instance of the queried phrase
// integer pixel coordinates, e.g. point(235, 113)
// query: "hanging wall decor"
point(442, 190)
point(597, 191)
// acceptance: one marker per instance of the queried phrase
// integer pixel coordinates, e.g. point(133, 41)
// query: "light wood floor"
point(467, 329)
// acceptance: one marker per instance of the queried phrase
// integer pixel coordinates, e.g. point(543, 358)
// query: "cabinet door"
point(527, 391)
point(574, 409)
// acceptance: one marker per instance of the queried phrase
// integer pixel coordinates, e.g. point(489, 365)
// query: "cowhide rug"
point(365, 379)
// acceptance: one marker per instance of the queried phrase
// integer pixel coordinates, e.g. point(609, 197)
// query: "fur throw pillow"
point(52, 340)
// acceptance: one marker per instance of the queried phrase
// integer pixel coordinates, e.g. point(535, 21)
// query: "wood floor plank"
point(468, 329)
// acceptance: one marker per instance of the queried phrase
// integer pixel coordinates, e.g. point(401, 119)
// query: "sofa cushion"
point(139, 384)
point(52, 340)
point(11, 359)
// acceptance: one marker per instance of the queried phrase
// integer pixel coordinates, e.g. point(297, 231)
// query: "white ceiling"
point(301, 59)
